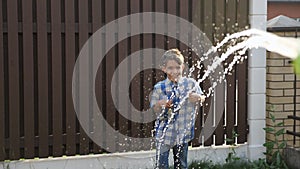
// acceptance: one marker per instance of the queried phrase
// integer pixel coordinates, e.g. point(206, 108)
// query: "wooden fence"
point(39, 43)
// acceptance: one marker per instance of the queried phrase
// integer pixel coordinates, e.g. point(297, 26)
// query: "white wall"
point(134, 160)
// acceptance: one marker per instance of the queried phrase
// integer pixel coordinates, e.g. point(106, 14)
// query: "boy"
point(175, 123)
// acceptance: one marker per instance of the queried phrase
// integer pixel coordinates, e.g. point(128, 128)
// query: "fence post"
point(257, 84)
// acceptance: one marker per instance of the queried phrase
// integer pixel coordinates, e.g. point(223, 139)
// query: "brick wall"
point(281, 88)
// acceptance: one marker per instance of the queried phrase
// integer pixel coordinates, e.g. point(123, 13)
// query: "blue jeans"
point(179, 154)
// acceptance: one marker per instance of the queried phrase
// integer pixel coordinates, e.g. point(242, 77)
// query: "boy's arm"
point(197, 95)
point(154, 100)
point(158, 106)
point(156, 103)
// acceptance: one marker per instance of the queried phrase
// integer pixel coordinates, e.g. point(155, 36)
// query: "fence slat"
point(184, 13)
point(136, 85)
point(197, 20)
point(159, 41)
point(96, 22)
point(231, 16)
point(69, 64)
point(13, 69)
point(219, 22)
point(56, 76)
point(197, 11)
point(230, 116)
point(148, 81)
point(242, 13)
point(28, 63)
point(83, 37)
point(242, 19)
point(110, 68)
point(189, 11)
point(43, 105)
point(207, 141)
point(208, 21)
point(101, 100)
point(124, 123)
point(2, 99)
point(219, 131)
point(242, 102)
point(171, 25)
point(96, 14)
point(231, 83)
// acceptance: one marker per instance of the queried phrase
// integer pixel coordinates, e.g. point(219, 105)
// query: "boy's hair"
point(171, 54)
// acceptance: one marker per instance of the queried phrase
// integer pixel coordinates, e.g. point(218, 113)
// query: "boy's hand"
point(194, 97)
point(162, 103)
point(165, 103)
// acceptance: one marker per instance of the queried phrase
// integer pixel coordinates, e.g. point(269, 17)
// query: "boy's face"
point(173, 70)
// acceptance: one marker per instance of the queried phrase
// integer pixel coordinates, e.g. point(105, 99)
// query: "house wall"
point(290, 9)
point(280, 93)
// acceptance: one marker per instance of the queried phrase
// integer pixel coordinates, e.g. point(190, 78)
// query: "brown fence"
point(39, 43)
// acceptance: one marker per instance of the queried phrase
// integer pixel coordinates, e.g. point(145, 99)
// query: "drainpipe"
point(257, 84)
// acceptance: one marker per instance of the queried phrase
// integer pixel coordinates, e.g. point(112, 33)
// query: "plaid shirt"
point(180, 129)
